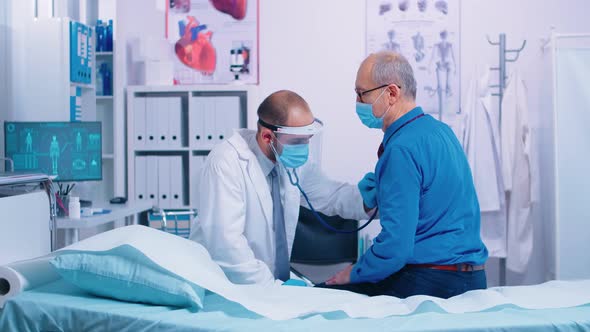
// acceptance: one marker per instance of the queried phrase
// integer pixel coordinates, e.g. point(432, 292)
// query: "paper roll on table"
point(20, 276)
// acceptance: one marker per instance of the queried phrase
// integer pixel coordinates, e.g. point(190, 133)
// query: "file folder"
point(152, 179)
point(151, 118)
point(197, 122)
point(163, 180)
point(140, 178)
point(210, 110)
point(162, 121)
point(139, 121)
point(174, 125)
point(176, 182)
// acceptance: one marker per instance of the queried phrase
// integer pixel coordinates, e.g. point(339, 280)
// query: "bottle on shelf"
point(100, 36)
point(107, 83)
point(109, 37)
point(99, 83)
point(74, 207)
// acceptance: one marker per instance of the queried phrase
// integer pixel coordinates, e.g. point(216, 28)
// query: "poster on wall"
point(214, 41)
point(427, 33)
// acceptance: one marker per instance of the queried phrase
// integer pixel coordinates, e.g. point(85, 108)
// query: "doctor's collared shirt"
point(427, 201)
point(266, 164)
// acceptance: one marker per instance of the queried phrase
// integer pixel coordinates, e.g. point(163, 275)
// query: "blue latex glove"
point(368, 189)
point(295, 282)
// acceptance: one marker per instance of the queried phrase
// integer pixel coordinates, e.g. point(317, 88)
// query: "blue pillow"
point(121, 278)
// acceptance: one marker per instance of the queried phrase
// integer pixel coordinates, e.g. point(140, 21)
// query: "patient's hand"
point(341, 278)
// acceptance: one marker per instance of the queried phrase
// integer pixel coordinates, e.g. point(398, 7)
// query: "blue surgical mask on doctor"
point(292, 155)
point(365, 113)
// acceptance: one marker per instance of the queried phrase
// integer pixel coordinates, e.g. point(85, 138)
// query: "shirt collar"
point(266, 164)
point(394, 127)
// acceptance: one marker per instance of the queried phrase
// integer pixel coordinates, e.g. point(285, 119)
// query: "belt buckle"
point(464, 267)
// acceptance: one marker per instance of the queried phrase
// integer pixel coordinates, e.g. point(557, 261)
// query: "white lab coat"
point(481, 144)
point(517, 173)
point(235, 211)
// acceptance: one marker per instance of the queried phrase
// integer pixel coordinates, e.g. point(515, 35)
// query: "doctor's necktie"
point(282, 266)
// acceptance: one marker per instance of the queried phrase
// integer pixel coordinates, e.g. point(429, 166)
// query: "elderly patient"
point(248, 209)
point(430, 239)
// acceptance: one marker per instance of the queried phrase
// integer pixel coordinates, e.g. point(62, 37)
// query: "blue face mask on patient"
point(365, 113)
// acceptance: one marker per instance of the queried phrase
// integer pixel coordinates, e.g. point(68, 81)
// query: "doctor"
point(429, 242)
point(248, 209)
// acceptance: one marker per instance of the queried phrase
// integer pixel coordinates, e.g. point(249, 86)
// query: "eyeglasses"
point(360, 93)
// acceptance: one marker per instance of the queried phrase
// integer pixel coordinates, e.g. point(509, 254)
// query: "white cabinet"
point(170, 132)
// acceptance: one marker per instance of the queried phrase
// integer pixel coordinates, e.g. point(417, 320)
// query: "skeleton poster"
point(426, 32)
point(214, 41)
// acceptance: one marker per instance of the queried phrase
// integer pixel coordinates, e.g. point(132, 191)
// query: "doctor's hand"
point(368, 189)
point(341, 278)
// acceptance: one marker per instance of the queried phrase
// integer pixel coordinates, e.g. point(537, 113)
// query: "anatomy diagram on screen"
point(427, 34)
point(54, 154)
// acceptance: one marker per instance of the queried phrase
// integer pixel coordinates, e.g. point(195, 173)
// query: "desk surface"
point(118, 211)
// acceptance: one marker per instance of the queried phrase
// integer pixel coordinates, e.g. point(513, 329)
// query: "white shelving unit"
point(163, 168)
point(105, 113)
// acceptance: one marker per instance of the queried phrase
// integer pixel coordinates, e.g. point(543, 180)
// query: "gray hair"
point(393, 68)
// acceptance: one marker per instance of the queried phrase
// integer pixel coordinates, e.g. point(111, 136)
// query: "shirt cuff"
point(354, 277)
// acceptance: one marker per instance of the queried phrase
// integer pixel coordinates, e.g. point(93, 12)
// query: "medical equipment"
point(71, 151)
point(316, 214)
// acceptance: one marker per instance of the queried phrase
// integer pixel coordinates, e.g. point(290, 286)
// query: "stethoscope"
point(317, 215)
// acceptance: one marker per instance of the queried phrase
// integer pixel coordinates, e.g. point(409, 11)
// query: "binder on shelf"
point(210, 110)
point(139, 121)
point(140, 178)
point(227, 117)
point(197, 122)
point(196, 166)
point(152, 179)
point(176, 181)
point(163, 181)
point(174, 122)
point(151, 122)
point(162, 122)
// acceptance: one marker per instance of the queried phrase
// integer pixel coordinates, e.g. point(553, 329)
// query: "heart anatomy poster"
point(214, 41)
point(426, 32)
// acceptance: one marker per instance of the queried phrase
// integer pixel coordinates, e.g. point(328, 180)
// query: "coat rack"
point(501, 86)
point(503, 60)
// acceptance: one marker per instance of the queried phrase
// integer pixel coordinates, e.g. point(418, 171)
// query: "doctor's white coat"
point(481, 142)
point(518, 173)
point(235, 210)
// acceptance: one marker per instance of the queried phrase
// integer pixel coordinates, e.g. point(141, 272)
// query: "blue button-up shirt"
point(427, 202)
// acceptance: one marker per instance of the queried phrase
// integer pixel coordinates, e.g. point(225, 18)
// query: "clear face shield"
point(291, 145)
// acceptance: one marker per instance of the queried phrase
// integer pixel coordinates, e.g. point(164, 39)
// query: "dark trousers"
point(420, 281)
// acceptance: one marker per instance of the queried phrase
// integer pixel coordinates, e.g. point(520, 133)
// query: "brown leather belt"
point(455, 267)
